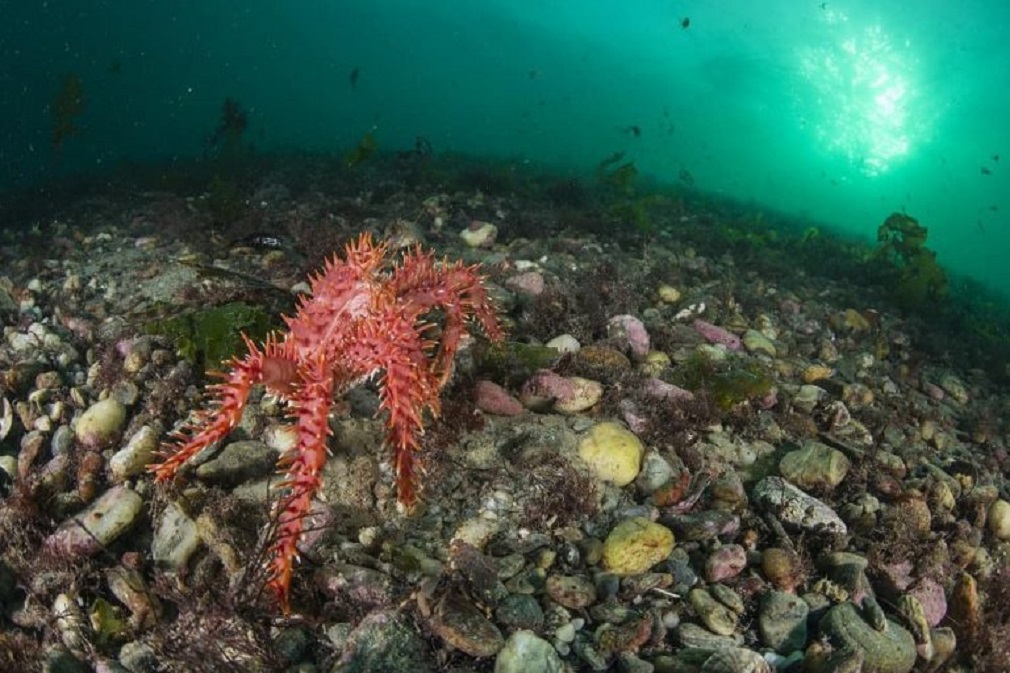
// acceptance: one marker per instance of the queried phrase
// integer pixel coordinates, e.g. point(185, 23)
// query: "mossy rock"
point(208, 337)
point(726, 383)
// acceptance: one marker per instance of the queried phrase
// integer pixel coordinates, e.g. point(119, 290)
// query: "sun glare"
point(859, 94)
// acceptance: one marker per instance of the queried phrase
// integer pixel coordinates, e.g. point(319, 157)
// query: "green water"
point(840, 111)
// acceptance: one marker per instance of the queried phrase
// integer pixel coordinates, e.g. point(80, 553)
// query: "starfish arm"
point(302, 467)
point(408, 387)
point(224, 414)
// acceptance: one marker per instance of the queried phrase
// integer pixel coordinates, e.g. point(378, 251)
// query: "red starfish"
point(361, 318)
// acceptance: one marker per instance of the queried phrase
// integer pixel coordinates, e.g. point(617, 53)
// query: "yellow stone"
point(668, 294)
point(655, 362)
point(817, 373)
point(635, 545)
point(613, 453)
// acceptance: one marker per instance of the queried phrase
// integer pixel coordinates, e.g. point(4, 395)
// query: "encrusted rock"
point(883, 645)
point(526, 652)
point(635, 545)
point(795, 508)
point(613, 452)
point(815, 465)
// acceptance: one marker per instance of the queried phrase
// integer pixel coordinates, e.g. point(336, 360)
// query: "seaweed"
point(726, 383)
point(209, 336)
point(917, 279)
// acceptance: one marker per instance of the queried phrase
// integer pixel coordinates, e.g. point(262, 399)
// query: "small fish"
point(995, 157)
point(686, 177)
point(634, 130)
point(685, 23)
point(355, 73)
point(986, 171)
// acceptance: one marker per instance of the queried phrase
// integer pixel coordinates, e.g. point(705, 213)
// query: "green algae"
point(207, 337)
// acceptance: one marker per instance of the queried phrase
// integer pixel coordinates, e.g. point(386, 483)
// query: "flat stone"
point(92, 530)
point(175, 539)
point(782, 621)
point(815, 465)
point(795, 508)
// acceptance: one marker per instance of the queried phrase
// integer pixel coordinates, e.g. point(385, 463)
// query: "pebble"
point(460, 624)
point(735, 660)
point(238, 462)
point(133, 458)
point(479, 234)
point(756, 342)
point(635, 545)
point(998, 520)
point(564, 343)
point(493, 399)
point(887, 649)
point(526, 652)
point(571, 591)
point(814, 466)
point(384, 641)
point(717, 335)
point(725, 563)
point(718, 618)
point(782, 621)
point(795, 508)
point(585, 394)
point(520, 611)
point(631, 334)
point(613, 452)
point(92, 530)
point(175, 538)
point(100, 424)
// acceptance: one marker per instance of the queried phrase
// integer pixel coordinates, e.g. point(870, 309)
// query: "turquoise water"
point(839, 111)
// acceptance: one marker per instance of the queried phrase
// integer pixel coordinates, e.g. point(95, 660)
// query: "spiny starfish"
point(364, 316)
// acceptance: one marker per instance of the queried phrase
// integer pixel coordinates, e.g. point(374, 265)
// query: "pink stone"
point(725, 562)
point(637, 423)
point(933, 390)
point(491, 398)
point(666, 391)
point(631, 332)
point(717, 335)
point(529, 283)
point(544, 388)
point(933, 600)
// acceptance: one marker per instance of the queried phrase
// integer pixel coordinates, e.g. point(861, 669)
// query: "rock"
point(703, 525)
point(795, 508)
point(884, 646)
point(782, 568)
point(175, 539)
point(525, 652)
point(101, 423)
point(998, 521)
point(815, 465)
point(808, 397)
point(630, 333)
point(668, 294)
point(133, 458)
point(717, 335)
point(383, 641)
point(635, 545)
point(735, 660)
point(612, 452)
point(238, 462)
point(656, 472)
point(571, 591)
point(586, 393)
point(782, 621)
point(725, 562)
point(695, 636)
point(564, 343)
point(718, 618)
point(527, 283)
point(544, 389)
point(491, 398)
point(931, 596)
point(520, 611)
point(461, 625)
point(479, 234)
point(92, 530)
point(756, 342)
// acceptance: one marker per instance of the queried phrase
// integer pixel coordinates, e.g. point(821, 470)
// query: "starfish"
point(364, 318)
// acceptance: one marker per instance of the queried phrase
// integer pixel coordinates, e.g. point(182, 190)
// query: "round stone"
point(101, 423)
point(635, 545)
point(613, 453)
point(526, 652)
point(999, 520)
